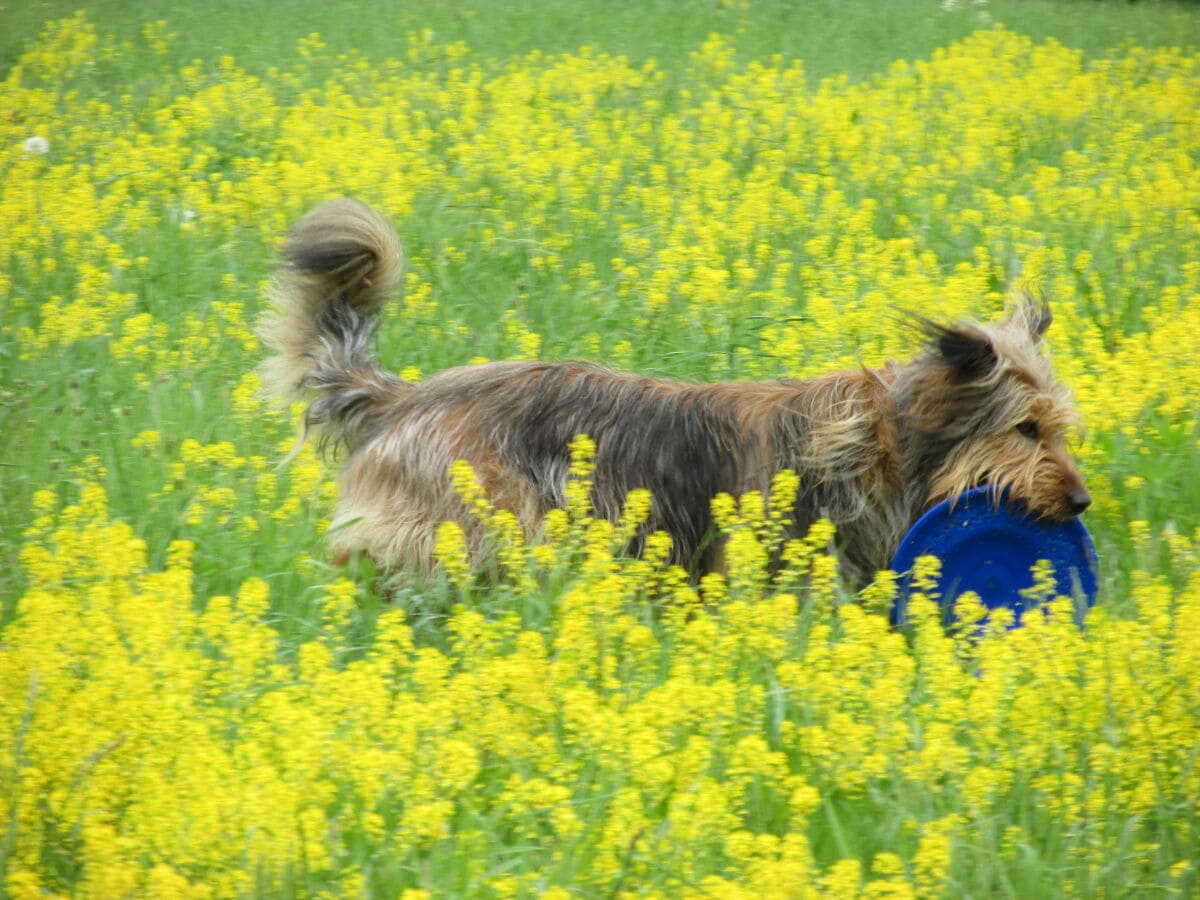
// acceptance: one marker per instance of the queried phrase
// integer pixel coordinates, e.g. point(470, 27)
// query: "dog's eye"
point(1029, 429)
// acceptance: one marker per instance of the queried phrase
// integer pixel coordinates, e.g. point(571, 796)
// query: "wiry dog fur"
point(873, 447)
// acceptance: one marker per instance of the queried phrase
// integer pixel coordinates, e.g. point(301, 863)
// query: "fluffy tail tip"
point(350, 250)
point(341, 262)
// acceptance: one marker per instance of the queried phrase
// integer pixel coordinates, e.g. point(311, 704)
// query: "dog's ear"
point(967, 351)
point(964, 349)
point(1032, 313)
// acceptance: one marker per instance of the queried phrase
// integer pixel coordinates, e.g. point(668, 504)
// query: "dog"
point(873, 448)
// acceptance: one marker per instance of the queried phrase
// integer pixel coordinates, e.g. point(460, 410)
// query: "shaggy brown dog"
point(873, 448)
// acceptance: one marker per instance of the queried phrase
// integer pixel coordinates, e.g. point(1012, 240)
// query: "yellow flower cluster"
point(186, 711)
point(161, 741)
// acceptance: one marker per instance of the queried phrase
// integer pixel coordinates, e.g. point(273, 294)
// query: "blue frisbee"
point(991, 548)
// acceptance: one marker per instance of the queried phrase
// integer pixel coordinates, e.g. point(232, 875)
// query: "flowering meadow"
point(195, 703)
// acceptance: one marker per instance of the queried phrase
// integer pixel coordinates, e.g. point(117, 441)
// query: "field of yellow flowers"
point(193, 703)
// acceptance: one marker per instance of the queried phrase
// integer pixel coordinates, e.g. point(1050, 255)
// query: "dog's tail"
point(341, 262)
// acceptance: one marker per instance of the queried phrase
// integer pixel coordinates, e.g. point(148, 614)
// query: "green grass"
point(833, 37)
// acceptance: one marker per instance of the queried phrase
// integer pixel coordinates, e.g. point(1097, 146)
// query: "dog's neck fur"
point(872, 452)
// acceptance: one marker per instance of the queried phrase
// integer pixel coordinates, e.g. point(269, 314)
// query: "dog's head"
point(983, 407)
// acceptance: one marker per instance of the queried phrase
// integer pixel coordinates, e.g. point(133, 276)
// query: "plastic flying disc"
point(991, 549)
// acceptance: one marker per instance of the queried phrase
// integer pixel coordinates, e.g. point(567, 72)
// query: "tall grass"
point(195, 703)
point(854, 37)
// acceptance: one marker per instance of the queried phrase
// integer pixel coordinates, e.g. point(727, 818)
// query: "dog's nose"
point(1078, 500)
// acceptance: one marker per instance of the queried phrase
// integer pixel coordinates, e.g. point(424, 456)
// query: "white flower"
point(37, 145)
